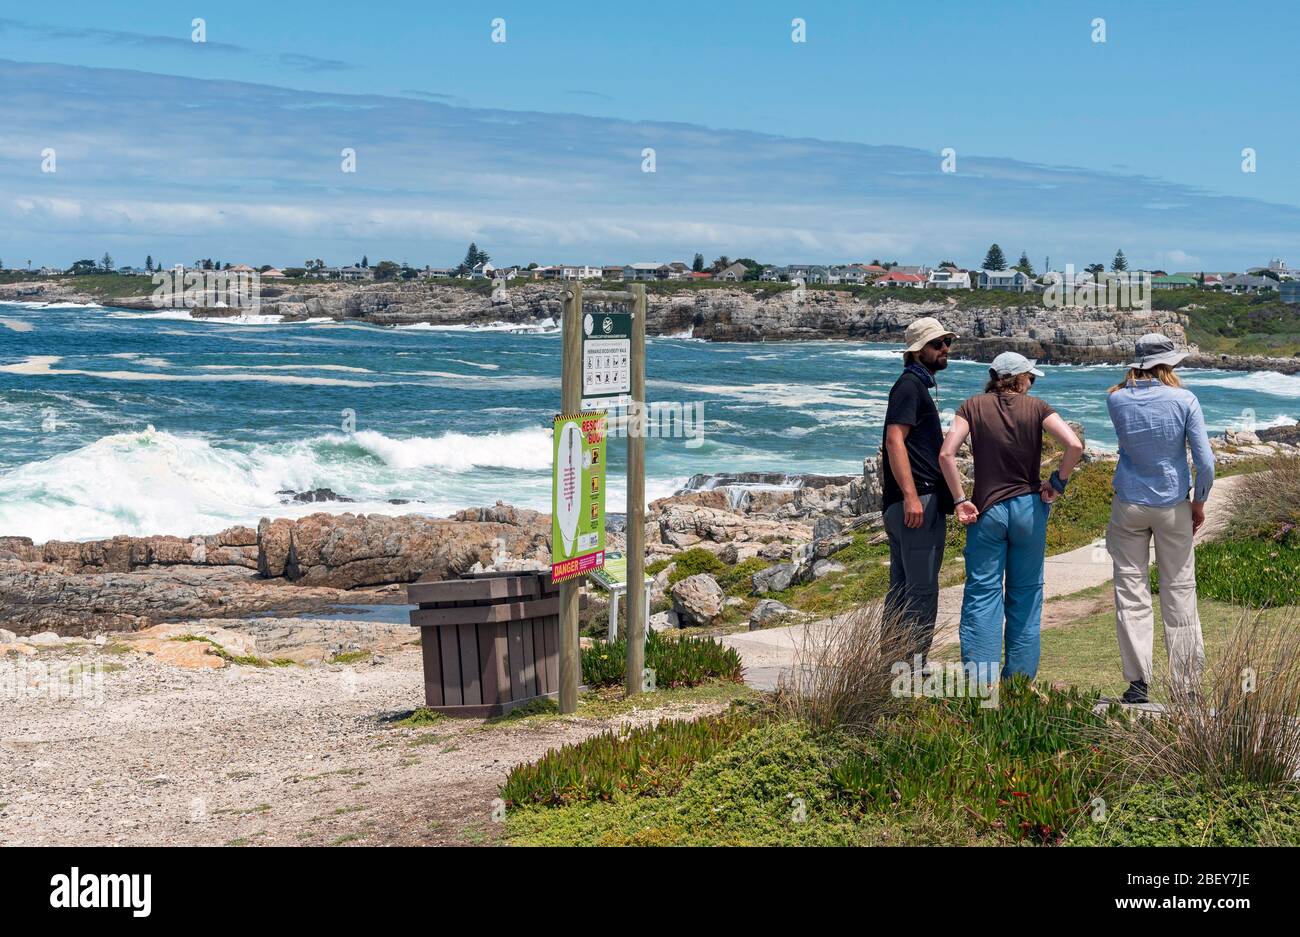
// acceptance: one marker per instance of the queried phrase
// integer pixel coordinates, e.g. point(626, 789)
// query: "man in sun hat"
point(916, 502)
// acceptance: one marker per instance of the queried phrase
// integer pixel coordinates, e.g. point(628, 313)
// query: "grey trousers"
point(915, 556)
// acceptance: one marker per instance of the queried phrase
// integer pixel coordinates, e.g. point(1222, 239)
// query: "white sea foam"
point(155, 482)
point(546, 325)
point(1263, 382)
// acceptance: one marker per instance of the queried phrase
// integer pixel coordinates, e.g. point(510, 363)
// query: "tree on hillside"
point(995, 259)
point(473, 257)
point(365, 262)
point(722, 263)
point(942, 264)
point(106, 263)
point(386, 270)
point(1095, 268)
point(82, 267)
point(697, 265)
point(1023, 265)
point(148, 263)
point(1120, 263)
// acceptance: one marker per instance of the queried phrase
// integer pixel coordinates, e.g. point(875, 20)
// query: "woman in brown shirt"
point(1006, 517)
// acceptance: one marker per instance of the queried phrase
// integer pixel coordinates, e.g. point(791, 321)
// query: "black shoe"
point(1136, 693)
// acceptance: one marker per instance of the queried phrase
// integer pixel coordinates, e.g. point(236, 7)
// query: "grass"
point(1172, 813)
point(246, 660)
point(1224, 323)
point(609, 703)
point(424, 716)
point(350, 657)
point(1253, 573)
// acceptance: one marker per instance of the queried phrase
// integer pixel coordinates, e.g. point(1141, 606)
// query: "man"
point(916, 499)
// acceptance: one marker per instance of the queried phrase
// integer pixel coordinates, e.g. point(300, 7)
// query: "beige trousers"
point(1128, 538)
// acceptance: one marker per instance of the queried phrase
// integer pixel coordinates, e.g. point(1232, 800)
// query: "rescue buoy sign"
point(578, 495)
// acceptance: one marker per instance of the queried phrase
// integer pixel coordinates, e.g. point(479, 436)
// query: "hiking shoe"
point(1136, 693)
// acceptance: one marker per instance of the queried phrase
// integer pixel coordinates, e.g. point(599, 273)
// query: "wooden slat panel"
point(539, 656)
point(487, 664)
point(452, 590)
point(469, 669)
point(450, 667)
point(482, 614)
point(515, 634)
point(551, 635)
point(431, 651)
point(502, 651)
point(530, 657)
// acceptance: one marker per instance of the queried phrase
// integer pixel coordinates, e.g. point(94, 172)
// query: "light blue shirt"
point(1156, 424)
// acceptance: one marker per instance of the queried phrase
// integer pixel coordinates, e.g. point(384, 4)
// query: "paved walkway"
point(768, 652)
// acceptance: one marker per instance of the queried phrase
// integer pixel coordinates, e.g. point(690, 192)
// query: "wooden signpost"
point(604, 373)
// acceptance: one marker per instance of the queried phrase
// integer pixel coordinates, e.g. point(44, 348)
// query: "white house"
point(1007, 281)
point(645, 271)
point(945, 278)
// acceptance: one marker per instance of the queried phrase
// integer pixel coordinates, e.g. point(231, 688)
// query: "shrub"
point(842, 671)
point(1241, 724)
point(676, 662)
point(1266, 504)
point(1254, 573)
point(739, 579)
point(1166, 813)
point(1026, 767)
point(649, 760)
point(693, 561)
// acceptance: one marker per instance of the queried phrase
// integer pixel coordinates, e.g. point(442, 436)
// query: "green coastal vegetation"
point(848, 761)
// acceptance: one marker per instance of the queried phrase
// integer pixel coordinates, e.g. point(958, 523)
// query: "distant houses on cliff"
point(1275, 276)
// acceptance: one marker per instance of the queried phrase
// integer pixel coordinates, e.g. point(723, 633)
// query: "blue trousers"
point(1004, 585)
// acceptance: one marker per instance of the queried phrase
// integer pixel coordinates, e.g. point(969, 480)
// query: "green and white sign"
point(578, 495)
point(606, 359)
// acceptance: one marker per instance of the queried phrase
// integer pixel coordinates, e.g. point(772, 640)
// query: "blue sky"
point(825, 150)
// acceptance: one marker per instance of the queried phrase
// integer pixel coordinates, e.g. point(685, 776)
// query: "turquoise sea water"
point(115, 422)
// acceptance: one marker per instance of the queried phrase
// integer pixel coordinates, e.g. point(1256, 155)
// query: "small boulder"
point(768, 612)
point(826, 528)
point(774, 578)
point(825, 548)
point(697, 600)
point(7, 636)
point(825, 568)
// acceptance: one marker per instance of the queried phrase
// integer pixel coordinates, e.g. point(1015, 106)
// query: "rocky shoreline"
point(790, 525)
point(1056, 336)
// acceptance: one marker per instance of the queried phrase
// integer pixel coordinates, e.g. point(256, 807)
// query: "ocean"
point(118, 422)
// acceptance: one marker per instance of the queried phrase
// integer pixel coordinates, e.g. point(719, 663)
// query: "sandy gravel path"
point(247, 755)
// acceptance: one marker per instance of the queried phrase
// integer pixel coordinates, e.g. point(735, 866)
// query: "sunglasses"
point(940, 343)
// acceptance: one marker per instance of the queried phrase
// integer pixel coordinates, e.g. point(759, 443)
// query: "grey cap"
point(1010, 362)
point(1153, 349)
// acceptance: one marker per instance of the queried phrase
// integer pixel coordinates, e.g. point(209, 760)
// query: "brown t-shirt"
point(1006, 438)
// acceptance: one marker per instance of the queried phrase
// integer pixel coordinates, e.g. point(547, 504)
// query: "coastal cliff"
point(1059, 336)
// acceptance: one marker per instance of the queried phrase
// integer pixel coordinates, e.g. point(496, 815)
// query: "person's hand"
point(1198, 515)
point(967, 513)
point(913, 512)
point(1047, 492)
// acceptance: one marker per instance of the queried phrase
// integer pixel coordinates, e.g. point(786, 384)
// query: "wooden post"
point(635, 532)
point(571, 402)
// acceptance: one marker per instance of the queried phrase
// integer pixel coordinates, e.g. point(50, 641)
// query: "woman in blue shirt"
point(1157, 420)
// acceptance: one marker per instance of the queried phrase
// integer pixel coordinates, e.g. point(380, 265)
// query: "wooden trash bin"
point(491, 641)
